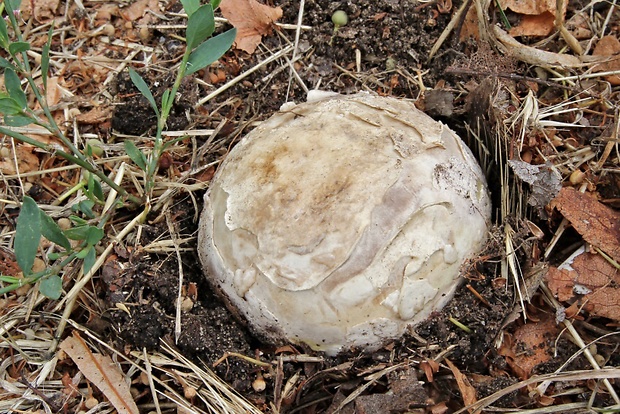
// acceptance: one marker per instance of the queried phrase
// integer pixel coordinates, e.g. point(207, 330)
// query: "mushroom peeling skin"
point(340, 223)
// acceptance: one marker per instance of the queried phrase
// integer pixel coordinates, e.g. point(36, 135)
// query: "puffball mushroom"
point(342, 222)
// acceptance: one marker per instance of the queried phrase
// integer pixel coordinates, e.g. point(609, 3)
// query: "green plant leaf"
point(14, 88)
point(77, 232)
point(15, 4)
point(8, 106)
point(170, 143)
point(190, 6)
point(45, 56)
point(94, 188)
point(97, 190)
point(200, 25)
point(56, 255)
point(18, 47)
point(27, 235)
point(4, 35)
point(18, 120)
point(77, 221)
point(82, 253)
point(9, 279)
point(215, 4)
point(135, 154)
point(51, 287)
point(51, 231)
point(89, 259)
point(144, 89)
point(6, 64)
point(85, 207)
point(210, 51)
point(95, 234)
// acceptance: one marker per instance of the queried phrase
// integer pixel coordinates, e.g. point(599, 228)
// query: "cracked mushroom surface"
point(340, 223)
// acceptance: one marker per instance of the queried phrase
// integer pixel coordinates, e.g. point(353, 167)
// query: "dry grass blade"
point(605, 373)
point(371, 380)
point(217, 395)
point(285, 51)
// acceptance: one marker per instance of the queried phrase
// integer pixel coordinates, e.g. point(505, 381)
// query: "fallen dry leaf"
point(252, 20)
point(538, 25)
point(470, 29)
point(537, 16)
point(139, 11)
point(106, 11)
point(467, 390)
point(430, 367)
point(54, 93)
point(102, 372)
point(591, 279)
point(529, 7)
point(96, 115)
point(598, 224)
point(545, 182)
point(27, 160)
point(44, 10)
point(608, 46)
point(530, 346)
point(8, 263)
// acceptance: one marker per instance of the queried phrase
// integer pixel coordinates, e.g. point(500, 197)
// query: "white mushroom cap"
point(340, 223)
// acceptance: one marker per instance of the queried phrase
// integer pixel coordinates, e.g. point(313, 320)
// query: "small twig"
point(446, 32)
point(244, 357)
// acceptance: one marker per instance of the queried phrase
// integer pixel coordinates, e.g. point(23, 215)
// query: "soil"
point(393, 39)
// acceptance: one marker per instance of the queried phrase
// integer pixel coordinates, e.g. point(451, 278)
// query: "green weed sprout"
point(339, 19)
point(78, 242)
point(200, 51)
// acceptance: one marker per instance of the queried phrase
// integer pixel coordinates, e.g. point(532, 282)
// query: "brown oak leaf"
point(598, 224)
point(592, 280)
point(608, 47)
point(536, 16)
point(531, 345)
point(252, 19)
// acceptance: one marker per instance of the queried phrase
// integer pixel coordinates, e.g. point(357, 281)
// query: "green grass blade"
point(200, 25)
point(27, 235)
point(210, 51)
point(143, 88)
point(45, 57)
